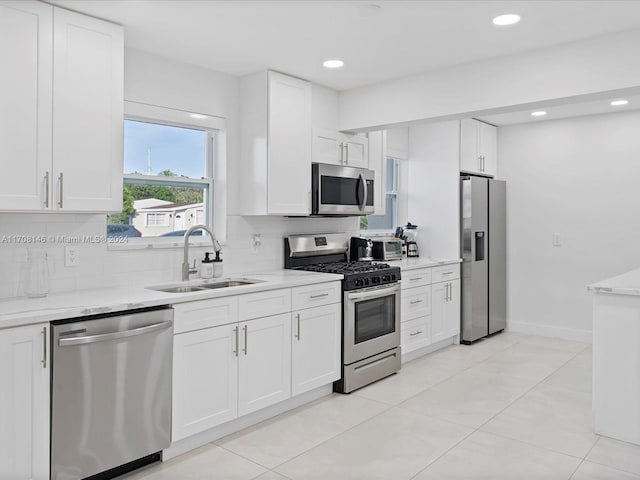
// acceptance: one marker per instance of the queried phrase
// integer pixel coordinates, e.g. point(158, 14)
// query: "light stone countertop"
point(420, 262)
point(625, 284)
point(26, 311)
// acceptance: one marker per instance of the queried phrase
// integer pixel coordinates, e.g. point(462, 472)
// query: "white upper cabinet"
point(61, 110)
point(333, 147)
point(478, 147)
point(88, 72)
point(275, 145)
point(377, 162)
point(25, 104)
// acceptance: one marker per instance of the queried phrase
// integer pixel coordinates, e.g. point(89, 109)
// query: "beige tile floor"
point(509, 407)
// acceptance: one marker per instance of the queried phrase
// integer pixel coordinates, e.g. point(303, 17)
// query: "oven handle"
point(368, 294)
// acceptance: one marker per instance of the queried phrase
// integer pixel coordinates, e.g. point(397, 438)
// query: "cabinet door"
point(488, 148)
point(265, 362)
point(453, 309)
point(25, 104)
point(205, 380)
point(470, 160)
point(356, 151)
point(24, 403)
point(315, 349)
point(289, 146)
point(439, 322)
point(88, 76)
point(326, 146)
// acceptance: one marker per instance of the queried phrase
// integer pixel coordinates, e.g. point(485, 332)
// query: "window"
point(388, 221)
point(168, 177)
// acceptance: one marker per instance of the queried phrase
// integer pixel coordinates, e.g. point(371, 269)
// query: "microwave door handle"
point(366, 193)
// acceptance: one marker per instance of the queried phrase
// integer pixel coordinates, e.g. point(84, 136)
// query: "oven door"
point(342, 190)
point(371, 322)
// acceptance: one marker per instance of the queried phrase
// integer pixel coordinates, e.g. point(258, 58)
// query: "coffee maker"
point(360, 249)
point(411, 235)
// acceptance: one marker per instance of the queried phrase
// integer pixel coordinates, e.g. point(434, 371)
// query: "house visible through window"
point(388, 221)
point(168, 180)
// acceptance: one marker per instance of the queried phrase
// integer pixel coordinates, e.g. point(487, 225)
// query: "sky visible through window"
point(181, 150)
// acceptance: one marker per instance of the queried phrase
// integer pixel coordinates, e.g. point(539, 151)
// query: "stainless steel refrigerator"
point(484, 260)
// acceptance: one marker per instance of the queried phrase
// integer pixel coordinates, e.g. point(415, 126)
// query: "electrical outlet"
point(256, 241)
point(557, 241)
point(71, 256)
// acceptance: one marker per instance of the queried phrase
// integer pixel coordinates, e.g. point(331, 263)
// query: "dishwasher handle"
point(67, 342)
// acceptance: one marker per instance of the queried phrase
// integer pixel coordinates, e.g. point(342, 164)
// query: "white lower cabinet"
point(315, 349)
point(445, 310)
point(205, 380)
point(265, 362)
point(24, 403)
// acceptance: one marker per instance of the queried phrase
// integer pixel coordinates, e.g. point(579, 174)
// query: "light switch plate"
point(557, 241)
point(71, 256)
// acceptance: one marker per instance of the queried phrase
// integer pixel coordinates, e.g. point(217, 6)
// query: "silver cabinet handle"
point(245, 339)
point(237, 333)
point(446, 273)
point(320, 295)
point(44, 347)
point(298, 326)
point(341, 153)
point(415, 333)
point(61, 181)
point(66, 342)
point(46, 189)
point(346, 154)
point(415, 301)
point(415, 278)
point(447, 285)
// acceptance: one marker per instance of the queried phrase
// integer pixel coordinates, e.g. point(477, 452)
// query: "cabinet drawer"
point(204, 314)
point(415, 302)
point(415, 333)
point(315, 295)
point(446, 272)
point(263, 304)
point(416, 278)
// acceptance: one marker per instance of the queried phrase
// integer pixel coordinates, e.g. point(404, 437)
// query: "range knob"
point(358, 282)
point(375, 280)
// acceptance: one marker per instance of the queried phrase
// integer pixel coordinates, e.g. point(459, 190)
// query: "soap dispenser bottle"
point(217, 265)
point(206, 270)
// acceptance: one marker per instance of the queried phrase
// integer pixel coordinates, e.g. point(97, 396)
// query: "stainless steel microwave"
point(339, 190)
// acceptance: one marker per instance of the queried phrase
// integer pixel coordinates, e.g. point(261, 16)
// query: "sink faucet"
point(185, 261)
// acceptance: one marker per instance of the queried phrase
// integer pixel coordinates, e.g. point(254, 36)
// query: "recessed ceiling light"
point(539, 113)
point(197, 115)
point(619, 103)
point(333, 64)
point(506, 19)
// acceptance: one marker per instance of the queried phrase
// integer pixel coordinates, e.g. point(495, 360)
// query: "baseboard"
point(208, 436)
point(551, 331)
point(413, 354)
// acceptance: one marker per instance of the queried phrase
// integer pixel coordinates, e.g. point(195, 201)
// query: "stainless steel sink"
point(229, 282)
point(181, 289)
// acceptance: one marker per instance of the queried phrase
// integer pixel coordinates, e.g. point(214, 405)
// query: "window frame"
point(395, 192)
point(214, 182)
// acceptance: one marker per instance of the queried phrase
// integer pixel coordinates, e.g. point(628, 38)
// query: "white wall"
point(511, 83)
point(158, 81)
point(577, 177)
point(433, 178)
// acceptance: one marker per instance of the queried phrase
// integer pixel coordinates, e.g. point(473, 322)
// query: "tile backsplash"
point(103, 266)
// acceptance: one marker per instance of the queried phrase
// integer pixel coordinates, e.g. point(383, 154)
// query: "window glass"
point(167, 188)
point(387, 221)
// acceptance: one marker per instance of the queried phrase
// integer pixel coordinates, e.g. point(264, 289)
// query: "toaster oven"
point(387, 249)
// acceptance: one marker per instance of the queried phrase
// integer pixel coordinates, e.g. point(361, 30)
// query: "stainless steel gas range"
point(371, 306)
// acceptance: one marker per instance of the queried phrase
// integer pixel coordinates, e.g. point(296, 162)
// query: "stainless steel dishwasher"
point(110, 393)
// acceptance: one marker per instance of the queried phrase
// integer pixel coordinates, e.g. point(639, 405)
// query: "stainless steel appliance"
point(338, 190)
point(360, 249)
point(110, 393)
point(387, 249)
point(484, 265)
point(371, 306)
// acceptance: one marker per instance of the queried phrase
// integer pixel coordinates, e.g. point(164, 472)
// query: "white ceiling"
point(398, 39)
